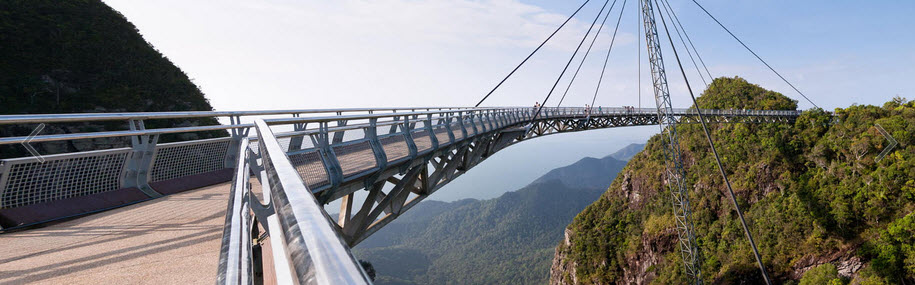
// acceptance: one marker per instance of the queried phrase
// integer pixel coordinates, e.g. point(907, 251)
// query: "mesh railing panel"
point(441, 134)
point(458, 132)
point(182, 159)
point(469, 125)
point(395, 147)
point(423, 141)
point(310, 168)
point(355, 158)
point(32, 182)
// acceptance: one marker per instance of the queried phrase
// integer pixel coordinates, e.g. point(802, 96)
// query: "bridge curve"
point(400, 156)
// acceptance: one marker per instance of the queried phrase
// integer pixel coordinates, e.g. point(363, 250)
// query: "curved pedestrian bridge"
point(171, 225)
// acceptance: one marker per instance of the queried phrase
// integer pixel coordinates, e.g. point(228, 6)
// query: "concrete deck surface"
point(170, 240)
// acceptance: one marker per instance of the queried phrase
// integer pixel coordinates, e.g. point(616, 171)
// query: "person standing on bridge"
point(536, 108)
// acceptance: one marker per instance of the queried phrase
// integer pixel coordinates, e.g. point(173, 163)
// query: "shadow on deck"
point(171, 240)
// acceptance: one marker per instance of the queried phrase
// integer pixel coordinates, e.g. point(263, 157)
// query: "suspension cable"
point(639, 48)
point(532, 54)
point(683, 41)
point(711, 143)
point(607, 59)
point(754, 54)
point(677, 20)
point(599, 28)
point(570, 61)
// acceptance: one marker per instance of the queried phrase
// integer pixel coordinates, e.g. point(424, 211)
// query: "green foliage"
point(83, 56)
point(810, 189)
point(893, 251)
point(822, 274)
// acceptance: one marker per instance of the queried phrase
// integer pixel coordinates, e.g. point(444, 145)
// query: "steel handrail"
point(88, 117)
point(550, 112)
point(235, 253)
point(316, 254)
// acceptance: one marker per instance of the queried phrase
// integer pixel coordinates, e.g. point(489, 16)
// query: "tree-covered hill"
point(819, 204)
point(83, 56)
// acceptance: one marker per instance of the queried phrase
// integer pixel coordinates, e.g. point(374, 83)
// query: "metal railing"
point(297, 119)
point(296, 162)
point(322, 143)
point(306, 249)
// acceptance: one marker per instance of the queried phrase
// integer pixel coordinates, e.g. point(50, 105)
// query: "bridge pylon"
point(676, 180)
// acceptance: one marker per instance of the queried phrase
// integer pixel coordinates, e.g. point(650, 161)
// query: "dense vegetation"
point(815, 196)
point(508, 240)
point(83, 56)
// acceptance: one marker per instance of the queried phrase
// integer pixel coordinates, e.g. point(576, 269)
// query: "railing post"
point(448, 118)
point(473, 123)
point(486, 121)
point(490, 118)
point(408, 137)
point(236, 136)
point(295, 143)
point(394, 126)
point(381, 158)
point(140, 161)
point(431, 132)
point(505, 117)
point(463, 127)
point(338, 136)
point(321, 141)
point(413, 123)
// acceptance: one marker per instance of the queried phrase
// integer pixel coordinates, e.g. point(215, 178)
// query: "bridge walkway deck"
point(171, 240)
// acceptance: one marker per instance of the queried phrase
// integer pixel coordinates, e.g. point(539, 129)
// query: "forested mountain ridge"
point(83, 56)
point(819, 205)
point(588, 173)
point(507, 240)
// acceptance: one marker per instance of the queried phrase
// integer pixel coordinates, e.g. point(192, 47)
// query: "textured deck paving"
point(171, 240)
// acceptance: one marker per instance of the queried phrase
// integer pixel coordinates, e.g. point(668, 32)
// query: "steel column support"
point(676, 183)
point(140, 161)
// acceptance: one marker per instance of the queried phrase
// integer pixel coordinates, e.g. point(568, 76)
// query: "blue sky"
point(838, 52)
point(282, 54)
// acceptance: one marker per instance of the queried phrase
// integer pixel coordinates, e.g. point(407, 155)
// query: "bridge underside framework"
point(399, 156)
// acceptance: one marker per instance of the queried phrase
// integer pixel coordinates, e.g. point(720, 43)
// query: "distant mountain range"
point(592, 173)
point(507, 240)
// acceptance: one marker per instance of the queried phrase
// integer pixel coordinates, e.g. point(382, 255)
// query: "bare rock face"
point(849, 267)
point(650, 253)
point(562, 272)
point(847, 263)
point(630, 191)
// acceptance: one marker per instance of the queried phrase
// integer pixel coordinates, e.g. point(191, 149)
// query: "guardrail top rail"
point(306, 247)
point(317, 116)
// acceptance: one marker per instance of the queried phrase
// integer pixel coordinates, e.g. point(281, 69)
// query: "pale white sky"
point(285, 54)
point(280, 54)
